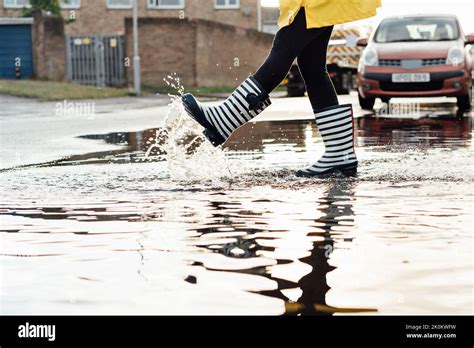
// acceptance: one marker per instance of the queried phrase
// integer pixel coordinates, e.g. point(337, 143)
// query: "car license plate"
point(412, 77)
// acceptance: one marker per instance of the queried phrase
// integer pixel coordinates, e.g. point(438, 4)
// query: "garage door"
point(15, 50)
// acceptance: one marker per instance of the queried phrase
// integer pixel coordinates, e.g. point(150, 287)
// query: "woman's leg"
point(289, 42)
point(335, 122)
point(252, 96)
point(312, 64)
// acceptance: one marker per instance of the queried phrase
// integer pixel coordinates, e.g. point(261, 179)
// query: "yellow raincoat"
point(324, 13)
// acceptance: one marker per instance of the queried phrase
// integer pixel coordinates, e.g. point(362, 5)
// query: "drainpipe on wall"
point(136, 57)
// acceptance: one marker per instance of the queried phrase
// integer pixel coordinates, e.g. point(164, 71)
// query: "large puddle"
point(147, 229)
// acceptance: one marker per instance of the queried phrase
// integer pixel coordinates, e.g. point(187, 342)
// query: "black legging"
point(310, 47)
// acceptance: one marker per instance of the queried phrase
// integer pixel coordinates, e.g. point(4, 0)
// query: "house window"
point(166, 4)
point(16, 3)
point(120, 4)
point(226, 4)
point(70, 3)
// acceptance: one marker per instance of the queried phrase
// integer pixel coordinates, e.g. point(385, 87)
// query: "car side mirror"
point(469, 39)
point(363, 42)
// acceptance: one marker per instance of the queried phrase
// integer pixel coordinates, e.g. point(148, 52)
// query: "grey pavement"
point(33, 132)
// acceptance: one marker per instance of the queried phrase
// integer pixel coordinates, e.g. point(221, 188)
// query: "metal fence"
point(96, 60)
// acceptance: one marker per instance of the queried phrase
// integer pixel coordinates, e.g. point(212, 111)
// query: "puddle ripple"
point(236, 232)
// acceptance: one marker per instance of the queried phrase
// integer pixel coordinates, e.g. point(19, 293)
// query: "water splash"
point(174, 82)
point(189, 156)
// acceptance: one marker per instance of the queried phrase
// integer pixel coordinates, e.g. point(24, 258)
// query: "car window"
point(417, 29)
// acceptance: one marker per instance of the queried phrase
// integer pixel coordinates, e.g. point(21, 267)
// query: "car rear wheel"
point(366, 103)
point(344, 86)
point(465, 102)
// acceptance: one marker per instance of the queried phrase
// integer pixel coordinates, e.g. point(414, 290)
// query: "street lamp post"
point(259, 15)
point(136, 57)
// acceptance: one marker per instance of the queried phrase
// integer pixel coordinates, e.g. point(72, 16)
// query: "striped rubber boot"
point(219, 122)
point(336, 127)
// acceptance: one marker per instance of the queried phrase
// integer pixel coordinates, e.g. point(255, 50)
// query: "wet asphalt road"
point(203, 231)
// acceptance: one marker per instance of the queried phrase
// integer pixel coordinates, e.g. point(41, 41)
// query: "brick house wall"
point(198, 51)
point(93, 16)
point(209, 47)
point(49, 50)
point(166, 45)
point(220, 63)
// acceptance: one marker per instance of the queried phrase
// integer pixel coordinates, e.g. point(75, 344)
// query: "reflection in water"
point(291, 137)
point(443, 131)
point(262, 137)
point(302, 255)
point(285, 143)
point(131, 239)
point(307, 295)
point(337, 220)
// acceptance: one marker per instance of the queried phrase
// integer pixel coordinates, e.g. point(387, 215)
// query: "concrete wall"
point(93, 17)
point(200, 52)
point(49, 51)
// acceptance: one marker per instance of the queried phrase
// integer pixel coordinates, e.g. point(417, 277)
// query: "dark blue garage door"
point(15, 48)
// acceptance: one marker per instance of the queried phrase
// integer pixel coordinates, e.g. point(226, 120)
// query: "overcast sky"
point(464, 9)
